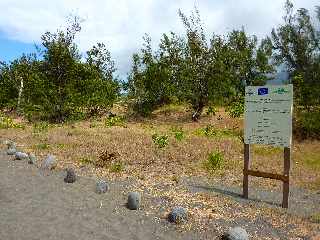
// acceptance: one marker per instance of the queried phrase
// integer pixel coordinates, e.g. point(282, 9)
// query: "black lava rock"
point(134, 201)
point(178, 215)
point(102, 187)
point(71, 176)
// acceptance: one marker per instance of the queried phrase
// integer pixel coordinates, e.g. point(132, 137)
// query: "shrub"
point(40, 127)
point(211, 111)
point(116, 167)
point(214, 161)
point(115, 121)
point(307, 125)
point(236, 109)
point(210, 131)
point(178, 133)
point(7, 122)
point(160, 140)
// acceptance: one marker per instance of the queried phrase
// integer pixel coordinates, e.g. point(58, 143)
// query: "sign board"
point(268, 115)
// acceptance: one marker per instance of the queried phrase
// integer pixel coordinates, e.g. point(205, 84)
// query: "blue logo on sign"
point(262, 91)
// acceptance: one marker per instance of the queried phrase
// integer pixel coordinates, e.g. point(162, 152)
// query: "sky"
point(121, 24)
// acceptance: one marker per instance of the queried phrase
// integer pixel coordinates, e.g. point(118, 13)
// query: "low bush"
point(106, 159)
point(40, 127)
point(7, 122)
point(214, 161)
point(211, 111)
point(236, 109)
point(160, 141)
point(307, 125)
point(212, 131)
point(178, 133)
point(115, 121)
point(116, 167)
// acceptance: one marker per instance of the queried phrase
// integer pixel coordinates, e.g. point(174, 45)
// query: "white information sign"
point(268, 115)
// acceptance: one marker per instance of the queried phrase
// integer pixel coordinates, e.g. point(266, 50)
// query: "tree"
point(100, 87)
point(60, 86)
point(221, 69)
point(8, 87)
point(296, 43)
point(99, 58)
point(195, 70)
point(151, 81)
point(197, 63)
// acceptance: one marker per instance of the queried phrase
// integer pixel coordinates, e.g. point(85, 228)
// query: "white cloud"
point(122, 23)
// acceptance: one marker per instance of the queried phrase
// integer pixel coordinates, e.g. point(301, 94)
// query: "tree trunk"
point(198, 110)
point(20, 94)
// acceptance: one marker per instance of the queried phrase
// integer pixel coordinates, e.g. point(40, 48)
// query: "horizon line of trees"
point(189, 68)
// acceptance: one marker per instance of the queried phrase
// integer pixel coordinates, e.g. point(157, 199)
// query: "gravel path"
point(39, 205)
point(302, 203)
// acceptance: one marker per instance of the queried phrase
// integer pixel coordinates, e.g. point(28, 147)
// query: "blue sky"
point(121, 24)
point(12, 49)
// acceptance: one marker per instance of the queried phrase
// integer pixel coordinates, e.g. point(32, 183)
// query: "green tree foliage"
point(297, 44)
point(153, 78)
point(60, 86)
point(8, 91)
point(101, 88)
point(196, 70)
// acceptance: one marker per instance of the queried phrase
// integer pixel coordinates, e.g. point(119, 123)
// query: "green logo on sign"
point(281, 91)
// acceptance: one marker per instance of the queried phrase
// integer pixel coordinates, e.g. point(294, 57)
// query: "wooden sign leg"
point(287, 160)
point(245, 171)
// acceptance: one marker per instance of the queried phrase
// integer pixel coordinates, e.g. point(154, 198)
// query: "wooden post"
point(286, 173)
point(245, 171)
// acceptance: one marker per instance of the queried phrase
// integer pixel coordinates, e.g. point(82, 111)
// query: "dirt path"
point(303, 203)
point(37, 205)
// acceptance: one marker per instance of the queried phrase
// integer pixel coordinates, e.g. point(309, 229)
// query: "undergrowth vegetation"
point(6, 122)
point(161, 141)
point(212, 131)
point(112, 121)
point(178, 133)
point(215, 161)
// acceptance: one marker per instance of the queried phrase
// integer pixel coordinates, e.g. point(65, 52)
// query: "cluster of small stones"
point(19, 155)
point(178, 215)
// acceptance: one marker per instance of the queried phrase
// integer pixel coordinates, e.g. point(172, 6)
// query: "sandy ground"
point(39, 205)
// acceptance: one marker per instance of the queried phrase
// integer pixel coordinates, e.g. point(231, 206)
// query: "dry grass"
point(83, 144)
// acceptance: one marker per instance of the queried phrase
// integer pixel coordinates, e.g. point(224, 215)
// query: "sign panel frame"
point(268, 115)
point(268, 111)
